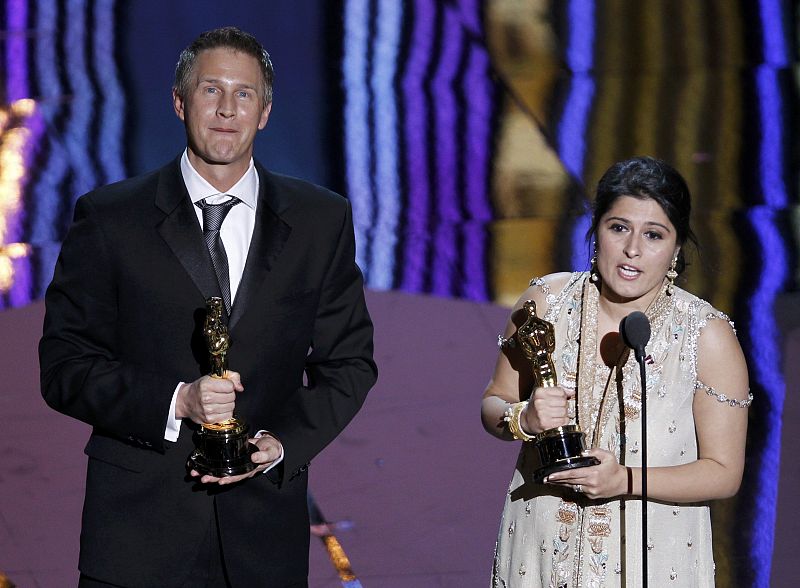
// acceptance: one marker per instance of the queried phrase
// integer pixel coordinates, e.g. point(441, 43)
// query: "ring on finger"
point(578, 488)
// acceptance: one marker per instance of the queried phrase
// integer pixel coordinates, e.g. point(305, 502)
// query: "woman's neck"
point(614, 308)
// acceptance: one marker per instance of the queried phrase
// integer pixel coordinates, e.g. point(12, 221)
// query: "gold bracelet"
point(512, 417)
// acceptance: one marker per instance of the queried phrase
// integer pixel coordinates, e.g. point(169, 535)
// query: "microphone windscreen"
point(635, 331)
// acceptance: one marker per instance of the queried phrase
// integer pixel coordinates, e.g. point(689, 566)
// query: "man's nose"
point(226, 106)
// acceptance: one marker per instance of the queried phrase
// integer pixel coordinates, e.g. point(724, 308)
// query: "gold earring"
point(671, 275)
point(594, 277)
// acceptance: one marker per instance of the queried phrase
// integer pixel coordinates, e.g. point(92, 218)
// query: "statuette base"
point(222, 451)
point(561, 449)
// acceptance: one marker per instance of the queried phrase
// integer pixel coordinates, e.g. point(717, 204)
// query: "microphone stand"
point(639, 353)
point(635, 331)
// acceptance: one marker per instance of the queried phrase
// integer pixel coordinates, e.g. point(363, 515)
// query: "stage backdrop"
point(468, 136)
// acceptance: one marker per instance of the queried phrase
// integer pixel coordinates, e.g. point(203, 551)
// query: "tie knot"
point(214, 214)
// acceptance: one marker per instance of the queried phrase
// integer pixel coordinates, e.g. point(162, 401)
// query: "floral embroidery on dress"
point(597, 567)
point(567, 513)
point(600, 521)
point(562, 562)
point(566, 516)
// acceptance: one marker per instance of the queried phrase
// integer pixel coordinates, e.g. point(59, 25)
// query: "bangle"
point(630, 480)
point(512, 417)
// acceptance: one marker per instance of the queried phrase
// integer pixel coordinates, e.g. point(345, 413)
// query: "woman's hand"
point(547, 409)
point(606, 480)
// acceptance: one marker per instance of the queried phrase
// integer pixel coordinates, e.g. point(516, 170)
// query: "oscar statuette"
point(560, 448)
point(221, 449)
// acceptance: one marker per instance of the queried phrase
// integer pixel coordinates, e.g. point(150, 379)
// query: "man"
point(123, 347)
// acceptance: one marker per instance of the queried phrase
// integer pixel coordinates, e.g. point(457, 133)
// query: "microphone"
point(635, 331)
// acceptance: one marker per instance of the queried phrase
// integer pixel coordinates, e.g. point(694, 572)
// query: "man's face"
point(222, 111)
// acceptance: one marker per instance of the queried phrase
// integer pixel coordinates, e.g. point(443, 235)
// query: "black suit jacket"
point(123, 326)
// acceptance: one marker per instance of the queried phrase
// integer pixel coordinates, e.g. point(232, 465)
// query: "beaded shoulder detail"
point(543, 286)
point(555, 301)
point(732, 402)
point(699, 312)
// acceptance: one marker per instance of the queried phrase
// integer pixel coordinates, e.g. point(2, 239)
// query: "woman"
point(582, 527)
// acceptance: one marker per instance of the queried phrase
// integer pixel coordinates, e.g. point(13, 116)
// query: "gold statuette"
point(560, 448)
point(221, 449)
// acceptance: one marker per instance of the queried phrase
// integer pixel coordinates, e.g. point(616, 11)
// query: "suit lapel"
point(269, 236)
point(181, 231)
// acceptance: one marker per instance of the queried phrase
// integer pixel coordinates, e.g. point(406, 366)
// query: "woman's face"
point(636, 243)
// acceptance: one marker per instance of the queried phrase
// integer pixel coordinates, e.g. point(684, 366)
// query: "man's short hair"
point(228, 38)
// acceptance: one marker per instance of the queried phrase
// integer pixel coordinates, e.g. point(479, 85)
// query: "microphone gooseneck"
point(635, 331)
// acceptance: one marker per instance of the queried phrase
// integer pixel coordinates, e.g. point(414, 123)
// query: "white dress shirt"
point(237, 228)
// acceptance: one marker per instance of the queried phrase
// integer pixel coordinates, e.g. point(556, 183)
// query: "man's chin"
point(217, 159)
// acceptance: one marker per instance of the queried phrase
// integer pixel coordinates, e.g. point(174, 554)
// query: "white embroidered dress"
point(555, 538)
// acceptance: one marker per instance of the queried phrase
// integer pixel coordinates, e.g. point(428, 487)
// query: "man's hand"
point(208, 400)
point(269, 449)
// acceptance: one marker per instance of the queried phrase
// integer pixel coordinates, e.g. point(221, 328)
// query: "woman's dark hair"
point(647, 177)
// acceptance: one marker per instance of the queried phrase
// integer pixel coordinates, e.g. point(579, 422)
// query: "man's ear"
point(178, 103)
point(264, 116)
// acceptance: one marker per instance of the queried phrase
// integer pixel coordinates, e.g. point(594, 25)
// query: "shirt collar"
point(246, 189)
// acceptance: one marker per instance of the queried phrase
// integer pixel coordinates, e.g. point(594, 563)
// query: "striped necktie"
point(213, 215)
